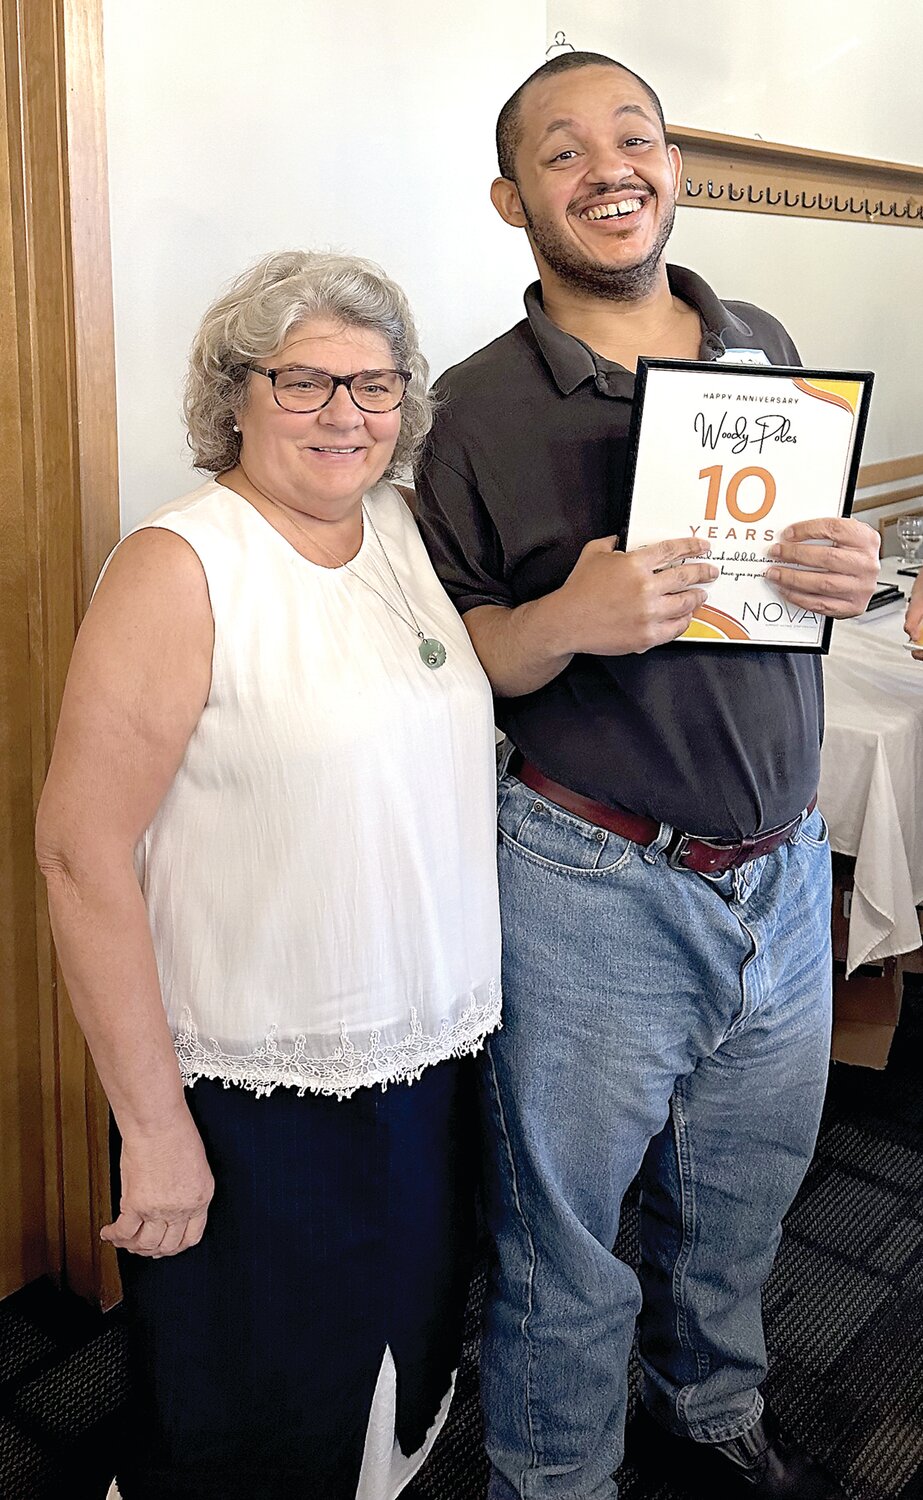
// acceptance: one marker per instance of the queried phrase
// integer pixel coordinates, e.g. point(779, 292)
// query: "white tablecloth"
point(871, 786)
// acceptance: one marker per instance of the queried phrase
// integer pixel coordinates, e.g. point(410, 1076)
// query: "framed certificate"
point(734, 454)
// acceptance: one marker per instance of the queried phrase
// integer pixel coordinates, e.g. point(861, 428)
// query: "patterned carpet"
point(63, 1381)
point(844, 1315)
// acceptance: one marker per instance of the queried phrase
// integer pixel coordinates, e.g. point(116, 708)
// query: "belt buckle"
point(727, 856)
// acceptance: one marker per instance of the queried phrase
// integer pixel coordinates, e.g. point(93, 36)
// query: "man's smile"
point(613, 210)
point(624, 207)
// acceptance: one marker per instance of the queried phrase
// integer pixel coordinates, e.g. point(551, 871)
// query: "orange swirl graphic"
point(843, 393)
point(710, 624)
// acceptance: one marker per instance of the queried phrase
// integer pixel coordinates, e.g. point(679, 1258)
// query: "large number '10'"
point(714, 476)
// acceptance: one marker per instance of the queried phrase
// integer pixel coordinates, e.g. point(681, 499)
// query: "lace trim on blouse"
point(272, 1066)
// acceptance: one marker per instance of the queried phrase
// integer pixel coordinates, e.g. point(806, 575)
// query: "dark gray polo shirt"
point(525, 463)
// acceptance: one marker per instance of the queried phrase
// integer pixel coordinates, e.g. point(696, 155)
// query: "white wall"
point(835, 74)
point(851, 296)
point(839, 75)
point(238, 128)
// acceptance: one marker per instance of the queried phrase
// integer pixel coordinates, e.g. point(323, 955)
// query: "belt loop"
point(795, 835)
point(650, 852)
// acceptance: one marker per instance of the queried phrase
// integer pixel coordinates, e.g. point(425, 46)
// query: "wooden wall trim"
point(752, 176)
point(752, 147)
point(889, 497)
point(888, 472)
point(70, 484)
point(87, 216)
point(30, 1241)
point(90, 1266)
point(890, 469)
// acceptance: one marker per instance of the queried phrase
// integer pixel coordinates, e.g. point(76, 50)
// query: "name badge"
point(744, 357)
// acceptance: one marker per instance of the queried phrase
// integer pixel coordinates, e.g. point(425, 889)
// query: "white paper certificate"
point(734, 454)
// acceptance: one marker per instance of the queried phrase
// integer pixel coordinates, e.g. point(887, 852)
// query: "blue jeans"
point(654, 1020)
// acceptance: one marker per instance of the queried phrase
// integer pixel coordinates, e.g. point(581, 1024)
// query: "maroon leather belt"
point(705, 856)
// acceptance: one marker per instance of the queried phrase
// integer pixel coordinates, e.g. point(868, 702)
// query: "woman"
point(268, 835)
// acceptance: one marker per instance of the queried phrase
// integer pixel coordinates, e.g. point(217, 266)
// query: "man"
point(654, 1014)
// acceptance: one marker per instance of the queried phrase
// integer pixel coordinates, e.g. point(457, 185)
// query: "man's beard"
point(597, 278)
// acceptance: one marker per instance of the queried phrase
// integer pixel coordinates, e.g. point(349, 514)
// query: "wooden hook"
point(735, 197)
point(750, 197)
point(863, 207)
point(806, 204)
point(771, 199)
point(822, 205)
point(794, 202)
point(689, 193)
point(720, 192)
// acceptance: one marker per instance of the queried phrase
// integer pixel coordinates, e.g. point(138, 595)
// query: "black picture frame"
point(718, 369)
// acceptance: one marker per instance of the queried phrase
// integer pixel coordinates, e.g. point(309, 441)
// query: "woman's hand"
point(166, 1189)
point(913, 620)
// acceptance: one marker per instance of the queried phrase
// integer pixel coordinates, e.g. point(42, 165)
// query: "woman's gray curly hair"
point(253, 318)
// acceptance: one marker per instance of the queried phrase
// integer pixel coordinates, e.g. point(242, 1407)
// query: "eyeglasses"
point(299, 389)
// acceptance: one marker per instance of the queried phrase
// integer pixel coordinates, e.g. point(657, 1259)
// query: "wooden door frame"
point(54, 87)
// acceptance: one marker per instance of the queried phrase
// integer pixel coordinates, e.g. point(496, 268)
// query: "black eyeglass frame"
point(338, 380)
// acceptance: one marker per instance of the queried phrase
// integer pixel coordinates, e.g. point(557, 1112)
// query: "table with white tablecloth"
point(871, 786)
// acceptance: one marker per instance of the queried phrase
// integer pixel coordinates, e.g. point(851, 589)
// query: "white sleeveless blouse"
point(320, 878)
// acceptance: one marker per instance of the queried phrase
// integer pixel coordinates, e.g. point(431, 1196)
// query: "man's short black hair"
point(509, 129)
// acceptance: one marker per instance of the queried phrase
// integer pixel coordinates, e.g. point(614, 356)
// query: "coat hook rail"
point(718, 191)
point(802, 203)
point(749, 174)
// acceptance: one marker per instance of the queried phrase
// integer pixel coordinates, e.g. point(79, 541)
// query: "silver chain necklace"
point(432, 652)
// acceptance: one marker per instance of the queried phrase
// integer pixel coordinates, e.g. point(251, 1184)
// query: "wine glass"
point(910, 535)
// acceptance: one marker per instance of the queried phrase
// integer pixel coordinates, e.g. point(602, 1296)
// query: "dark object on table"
point(886, 593)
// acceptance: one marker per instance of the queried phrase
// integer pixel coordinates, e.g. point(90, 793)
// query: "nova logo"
point(772, 613)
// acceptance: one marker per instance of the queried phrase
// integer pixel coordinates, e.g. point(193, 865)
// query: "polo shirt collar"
point(571, 361)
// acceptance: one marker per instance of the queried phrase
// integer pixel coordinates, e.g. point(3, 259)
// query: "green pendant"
point(432, 652)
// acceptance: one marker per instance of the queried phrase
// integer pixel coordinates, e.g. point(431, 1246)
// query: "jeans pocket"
point(813, 831)
point(548, 835)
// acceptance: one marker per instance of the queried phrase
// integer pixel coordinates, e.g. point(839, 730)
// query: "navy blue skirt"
point(338, 1229)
